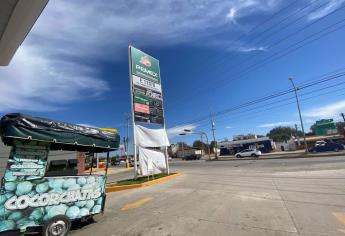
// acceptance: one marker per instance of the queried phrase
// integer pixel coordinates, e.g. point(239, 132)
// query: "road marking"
point(136, 204)
point(341, 218)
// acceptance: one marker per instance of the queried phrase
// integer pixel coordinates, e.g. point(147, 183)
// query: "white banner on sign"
point(151, 137)
point(151, 162)
point(146, 83)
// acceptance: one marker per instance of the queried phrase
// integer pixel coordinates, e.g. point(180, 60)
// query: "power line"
point(292, 97)
point(285, 51)
point(272, 96)
point(284, 104)
point(291, 48)
point(259, 25)
point(250, 111)
point(283, 39)
point(283, 20)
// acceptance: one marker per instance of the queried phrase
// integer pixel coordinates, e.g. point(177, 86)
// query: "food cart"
point(30, 198)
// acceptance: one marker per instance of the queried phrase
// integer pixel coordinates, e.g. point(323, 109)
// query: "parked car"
point(248, 153)
point(326, 147)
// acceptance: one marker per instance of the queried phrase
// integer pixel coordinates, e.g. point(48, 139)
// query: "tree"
point(341, 127)
point(212, 146)
point(282, 133)
point(182, 144)
point(198, 144)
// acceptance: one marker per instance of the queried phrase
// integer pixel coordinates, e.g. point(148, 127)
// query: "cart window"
point(62, 163)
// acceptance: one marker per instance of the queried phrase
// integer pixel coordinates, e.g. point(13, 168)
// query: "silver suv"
point(248, 153)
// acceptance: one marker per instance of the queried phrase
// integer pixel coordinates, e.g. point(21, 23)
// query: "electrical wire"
point(269, 97)
point(252, 111)
point(285, 51)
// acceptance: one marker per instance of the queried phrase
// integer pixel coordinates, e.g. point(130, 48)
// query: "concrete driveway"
point(245, 197)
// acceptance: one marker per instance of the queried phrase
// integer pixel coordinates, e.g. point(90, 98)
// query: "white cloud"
point(55, 66)
point(332, 110)
point(176, 131)
point(276, 124)
point(34, 82)
point(251, 49)
point(330, 7)
point(241, 8)
point(231, 15)
point(87, 32)
point(228, 127)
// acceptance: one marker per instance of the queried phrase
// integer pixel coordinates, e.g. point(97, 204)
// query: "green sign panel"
point(138, 98)
point(145, 66)
point(146, 88)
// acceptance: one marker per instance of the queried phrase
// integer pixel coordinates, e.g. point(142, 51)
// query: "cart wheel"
point(57, 226)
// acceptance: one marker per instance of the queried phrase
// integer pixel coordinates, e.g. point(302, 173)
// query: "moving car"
point(248, 153)
point(326, 147)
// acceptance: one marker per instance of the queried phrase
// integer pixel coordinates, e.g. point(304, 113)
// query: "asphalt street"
point(304, 196)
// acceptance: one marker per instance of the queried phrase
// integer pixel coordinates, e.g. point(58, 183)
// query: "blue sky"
point(73, 66)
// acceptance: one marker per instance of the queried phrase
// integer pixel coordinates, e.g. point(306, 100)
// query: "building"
point(324, 127)
point(16, 20)
point(264, 144)
point(289, 145)
point(244, 137)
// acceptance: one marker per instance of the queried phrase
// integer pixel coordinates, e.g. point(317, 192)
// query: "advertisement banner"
point(26, 163)
point(31, 203)
point(145, 66)
point(141, 108)
point(146, 83)
point(146, 88)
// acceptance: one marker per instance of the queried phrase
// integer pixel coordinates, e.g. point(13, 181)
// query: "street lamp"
point(201, 133)
point(299, 112)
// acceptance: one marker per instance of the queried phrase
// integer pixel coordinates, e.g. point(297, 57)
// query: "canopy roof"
point(60, 135)
point(16, 20)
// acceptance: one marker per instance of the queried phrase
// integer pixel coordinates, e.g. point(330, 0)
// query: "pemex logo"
point(145, 60)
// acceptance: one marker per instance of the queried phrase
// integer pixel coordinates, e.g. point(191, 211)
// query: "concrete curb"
point(109, 169)
point(110, 189)
point(284, 157)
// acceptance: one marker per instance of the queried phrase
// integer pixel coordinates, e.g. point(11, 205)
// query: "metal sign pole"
point(133, 121)
point(106, 166)
point(166, 148)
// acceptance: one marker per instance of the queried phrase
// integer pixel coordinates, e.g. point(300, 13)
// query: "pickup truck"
point(326, 147)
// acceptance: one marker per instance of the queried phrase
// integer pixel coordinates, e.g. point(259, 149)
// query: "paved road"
point(244, 197)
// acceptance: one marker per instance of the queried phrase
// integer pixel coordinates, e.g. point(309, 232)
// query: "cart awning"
point(60, 135)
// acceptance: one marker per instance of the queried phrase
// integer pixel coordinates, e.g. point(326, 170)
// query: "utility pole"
point(182, 151)
point(300, 116)
point(214, 138)
point(202, 146)
point(343, 115)
point(298, 140)
point(127, 139)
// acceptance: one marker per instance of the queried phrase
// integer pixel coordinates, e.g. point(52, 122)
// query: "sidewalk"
point(114, 172)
